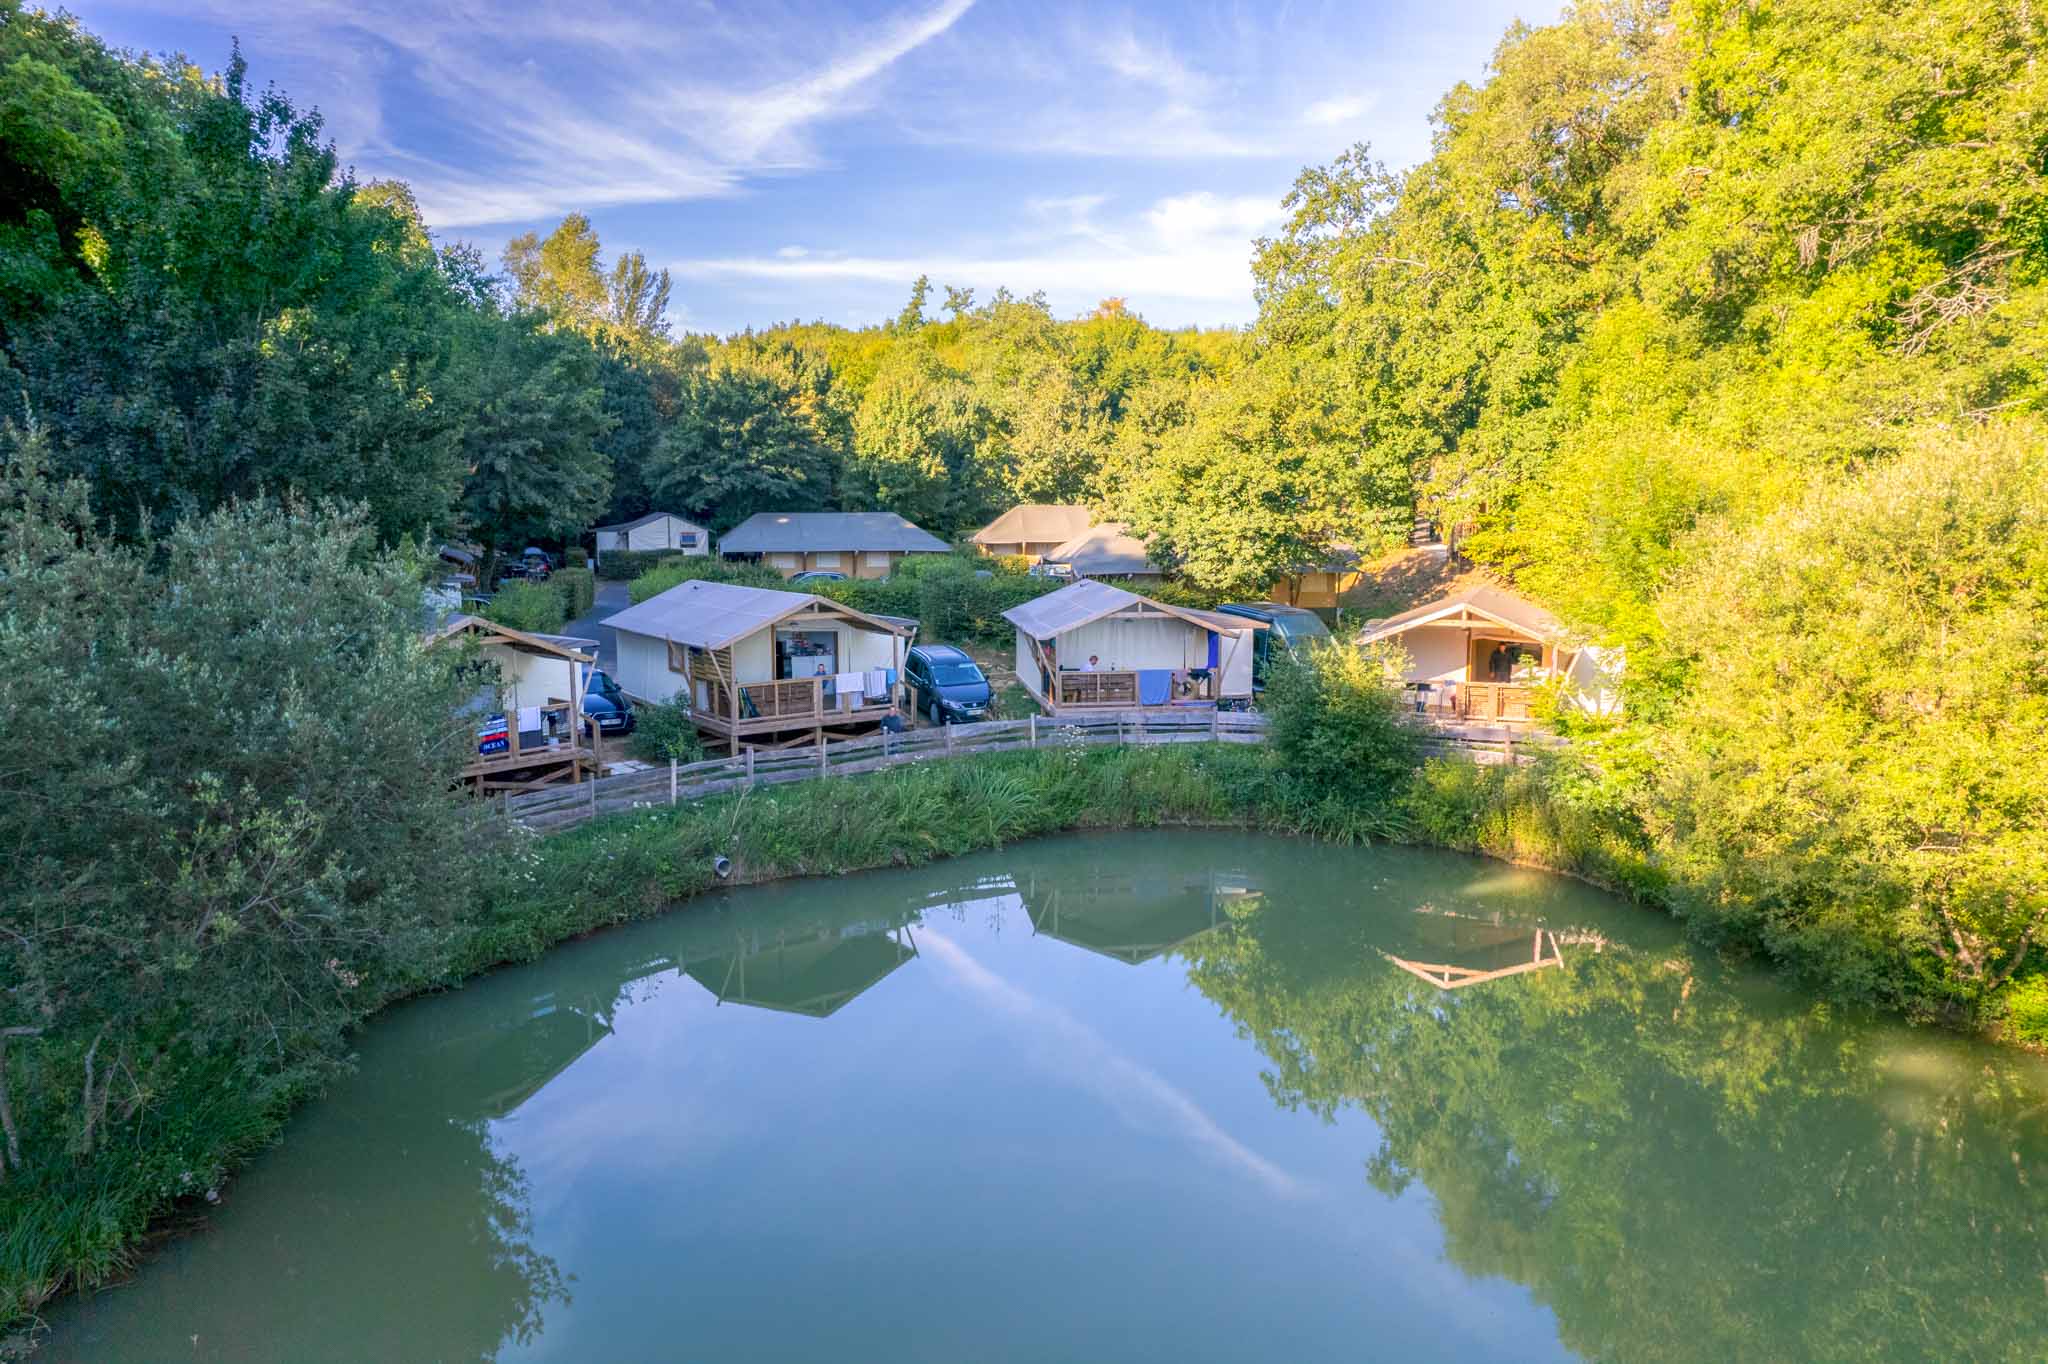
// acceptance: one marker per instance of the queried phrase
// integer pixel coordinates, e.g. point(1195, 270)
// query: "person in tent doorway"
point(1094, 664)
point(1499, 664)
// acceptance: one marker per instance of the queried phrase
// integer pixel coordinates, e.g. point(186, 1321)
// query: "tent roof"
point(1104, 551)
point(809, 532)
point(558, 646)
point(816, 976)
point(712, 615)
point(649, 520)
point(1077, 604)
point(1472, 605)
point(1035, 523)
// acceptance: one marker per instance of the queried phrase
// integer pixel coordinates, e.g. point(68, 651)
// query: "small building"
point(1107, 550)
point(1032, 531)
point(1322, 586)
point(528, 709)
point(1092, 646)
point(1480, 653)
point(761, 667)
point(656, 530)
point(858, 544)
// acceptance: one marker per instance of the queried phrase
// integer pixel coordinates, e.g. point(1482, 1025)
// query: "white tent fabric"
point(1076, 604)
point(709, 615)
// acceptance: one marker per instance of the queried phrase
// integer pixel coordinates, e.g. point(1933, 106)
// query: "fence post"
point(1119, 729)
point(671, 781)
point(1034, 729)
point(1507, 748)
point(1140, 738)
point(949, 739)
point(750, 767)
point(822, 770)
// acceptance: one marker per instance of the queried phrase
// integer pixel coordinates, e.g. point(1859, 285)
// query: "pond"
point(1134, 1097)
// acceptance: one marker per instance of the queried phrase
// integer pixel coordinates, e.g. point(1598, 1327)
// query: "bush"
point(578, 587)
point(626, 564)
point(1852, 777)
point(238, 837)
point(533, 607)
point(676, 569)
point(665, 732)
point(1336, 724)
point(946, 594)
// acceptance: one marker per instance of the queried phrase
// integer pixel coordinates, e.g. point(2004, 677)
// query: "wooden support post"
point(1216, 725)
point(823, 771)
point(1034, 729)
point(671, 781)
point(750, 767)
point(949, 737)
point(1507, 748)
point(1119, 729)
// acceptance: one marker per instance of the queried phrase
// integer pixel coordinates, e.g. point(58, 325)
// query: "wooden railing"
point(1120, 687)
point(797, 698)
point(1495, 700)
point(669, 785)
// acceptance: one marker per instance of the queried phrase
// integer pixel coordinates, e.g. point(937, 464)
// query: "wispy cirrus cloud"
point(511, 114)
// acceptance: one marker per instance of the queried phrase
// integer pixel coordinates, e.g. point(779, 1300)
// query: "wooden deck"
point(793, 711)
point(1482, 702)
point(1193, 689)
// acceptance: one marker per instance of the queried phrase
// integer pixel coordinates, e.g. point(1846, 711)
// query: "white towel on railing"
point(849, 686)
point(878, 681)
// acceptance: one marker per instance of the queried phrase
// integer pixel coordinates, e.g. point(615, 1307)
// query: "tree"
point(1852, 776)
point(740, 445)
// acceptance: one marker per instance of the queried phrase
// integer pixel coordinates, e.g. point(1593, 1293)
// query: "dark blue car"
point(946, 686)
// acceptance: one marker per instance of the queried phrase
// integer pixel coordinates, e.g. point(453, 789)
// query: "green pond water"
point(1131, 1097)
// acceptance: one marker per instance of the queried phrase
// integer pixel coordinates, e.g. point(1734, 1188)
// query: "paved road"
point(611, 598)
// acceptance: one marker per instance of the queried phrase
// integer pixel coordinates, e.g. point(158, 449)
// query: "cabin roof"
point(809, 532)
point(1077, 604)
point(1104, 551)
point(1472, 605)
point(559, 646)
point(712, 615)
point(649, 520)
point(1035, 523)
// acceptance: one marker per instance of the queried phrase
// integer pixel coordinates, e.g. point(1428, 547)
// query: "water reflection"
point(1675, 1162)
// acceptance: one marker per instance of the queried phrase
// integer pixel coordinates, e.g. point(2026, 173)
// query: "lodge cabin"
point(1091, 646)
point(762, 668)
point(1322, 587)
point(528, 707)
point(1031, 531)
point(856, 544)
point(1479, 655)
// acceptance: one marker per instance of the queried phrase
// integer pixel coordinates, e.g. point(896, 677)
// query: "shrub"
point(2026, 1010)
point(1336, 724)
point(626, 564)
point(666, 732)
point(675, 569)
point(578, 587)
point(533, 607)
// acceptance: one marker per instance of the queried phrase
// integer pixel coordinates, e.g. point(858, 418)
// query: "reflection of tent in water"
point(1133, 918)
point(491, 1072)
point(815, 974)
point(1455, 950)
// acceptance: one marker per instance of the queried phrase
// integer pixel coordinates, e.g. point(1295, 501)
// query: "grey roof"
point(713, 615)
point(1104, 551)
point(649, 520)
point(1035, 523)
point(1076, 604)
point(812, 532)
point(1484, 599)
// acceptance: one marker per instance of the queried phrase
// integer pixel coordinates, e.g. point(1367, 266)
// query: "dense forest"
point(1718, 328)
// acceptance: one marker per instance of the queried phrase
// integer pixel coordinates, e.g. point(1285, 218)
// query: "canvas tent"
point(1033, 530)
point(656, 530)
point(1478, 653)
point(1108, 550)
point(761, 665)
point(1147, 653)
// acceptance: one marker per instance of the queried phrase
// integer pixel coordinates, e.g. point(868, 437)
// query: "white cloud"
point(1192, 248)
point(1339, 109)
point(793, 252)
point(529, 114)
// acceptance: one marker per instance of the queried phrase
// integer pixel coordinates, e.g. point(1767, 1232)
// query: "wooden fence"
point(563, 806)
point(849, 757)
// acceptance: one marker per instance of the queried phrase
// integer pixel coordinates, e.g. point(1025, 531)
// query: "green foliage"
point(237, 837)
point(1853, 771)
point(1336, 725)
point(666, 732)
point(946, 594)
point(2026, 1010)
point(536, 608)
point(615, 565)
point(578, 587)
point(675, 569)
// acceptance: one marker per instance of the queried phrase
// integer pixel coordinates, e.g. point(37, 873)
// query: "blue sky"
point(805, 161)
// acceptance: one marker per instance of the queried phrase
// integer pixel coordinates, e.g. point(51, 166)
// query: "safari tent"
point(1481, 652)
point(762, 667)
point(1145, 653)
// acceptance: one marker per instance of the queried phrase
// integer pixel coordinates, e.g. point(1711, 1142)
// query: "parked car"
point(605, 705)
point(946, 686)
point(1289, 628)
point(819, 575)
